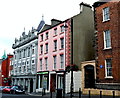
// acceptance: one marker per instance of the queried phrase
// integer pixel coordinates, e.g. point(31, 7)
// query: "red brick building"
point(107, 23)
point(5, 69)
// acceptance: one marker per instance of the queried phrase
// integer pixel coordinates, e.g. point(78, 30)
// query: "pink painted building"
point(62, 45)
point(53, 41)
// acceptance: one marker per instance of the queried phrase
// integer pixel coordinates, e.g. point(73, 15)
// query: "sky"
point(15, 15)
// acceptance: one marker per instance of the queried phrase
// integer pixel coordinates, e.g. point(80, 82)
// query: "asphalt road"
point(48, 96)
point(19, 96)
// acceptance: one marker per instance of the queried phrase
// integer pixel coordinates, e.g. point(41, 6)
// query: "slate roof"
point(100, 2)
point(54, 22)
point(40, 26)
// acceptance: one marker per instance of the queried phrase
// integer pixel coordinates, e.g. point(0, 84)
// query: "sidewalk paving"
point(76, 95)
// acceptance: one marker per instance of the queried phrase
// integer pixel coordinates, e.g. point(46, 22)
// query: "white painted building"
point(25, 60)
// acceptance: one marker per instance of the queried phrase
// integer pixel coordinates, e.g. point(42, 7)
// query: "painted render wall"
point(51, 51)
point(77, 81)
point(83, 35)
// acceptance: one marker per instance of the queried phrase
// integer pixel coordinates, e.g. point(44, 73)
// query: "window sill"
point(61, 69)
point(46, 53)
point(106, 20)
point(61, 49)
point(54, 35)
point(61, 32)
point(46, 39)
point(107, 48)
point(54, 70)
point(41, 41)
point(40, 53)
point(108, 77)
point(54, 50)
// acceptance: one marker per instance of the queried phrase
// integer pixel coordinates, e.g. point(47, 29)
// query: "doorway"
point(53, 83)
point(31, 85)
point(89, 76)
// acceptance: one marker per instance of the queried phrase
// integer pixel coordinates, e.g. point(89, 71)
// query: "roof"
point(4, 56)
point(85, 4)
point(40, 26)
point(100, 2)
point(54, 22)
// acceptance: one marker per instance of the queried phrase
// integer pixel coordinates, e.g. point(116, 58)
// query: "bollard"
point(113, 94)
point(89, 94)
point(50, 94)
point(100, 94)
point(79, 92)
point(44, 91)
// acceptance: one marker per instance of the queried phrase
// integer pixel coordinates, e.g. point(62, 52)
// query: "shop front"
point(43, 80)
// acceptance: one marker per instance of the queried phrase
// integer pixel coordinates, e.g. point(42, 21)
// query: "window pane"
point(106, 14)
point(107, 39)
point(109, 67)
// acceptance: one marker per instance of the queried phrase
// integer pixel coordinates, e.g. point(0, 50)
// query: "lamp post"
point(65, 26)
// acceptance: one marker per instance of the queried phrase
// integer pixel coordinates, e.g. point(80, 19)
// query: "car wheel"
point(10, 92)
point(13, 92)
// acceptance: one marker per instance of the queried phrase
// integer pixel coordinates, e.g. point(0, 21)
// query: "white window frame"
point(62, 28)
point(107, 13)
point(40, 64)
point(41, 36)
point(20, 55)
point(55, 45)
point(55, 61)
point(33, 50)
point(106, 71)
point(28, 54)
point(24, 51)
point(61, 60)
point(46, 46)
point(60, 82)
point(41, 49)
point(47, 35)
point(46, 63)
point(62, 43)
point(32, 61)
point(105, 47)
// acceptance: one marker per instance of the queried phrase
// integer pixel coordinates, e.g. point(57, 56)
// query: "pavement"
point(75, 95)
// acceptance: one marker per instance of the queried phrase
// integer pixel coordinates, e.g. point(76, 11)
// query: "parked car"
point(17, 89)
point(6, 89)
point(1, 88)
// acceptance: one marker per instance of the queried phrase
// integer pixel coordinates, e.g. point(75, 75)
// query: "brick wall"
point(101, 54)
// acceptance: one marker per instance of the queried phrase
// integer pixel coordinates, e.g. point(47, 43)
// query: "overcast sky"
point(17, 14)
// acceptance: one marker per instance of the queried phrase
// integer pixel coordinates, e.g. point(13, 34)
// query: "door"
point(89, 76)
point(31, 85)
point(53, 83)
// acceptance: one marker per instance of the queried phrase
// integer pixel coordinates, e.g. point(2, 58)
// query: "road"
point(19, 96)
point(48, 96)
